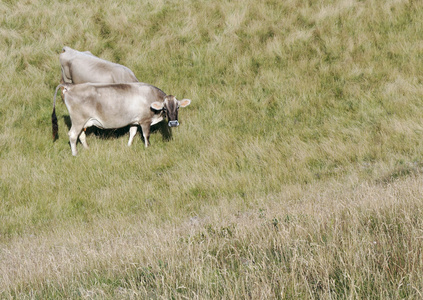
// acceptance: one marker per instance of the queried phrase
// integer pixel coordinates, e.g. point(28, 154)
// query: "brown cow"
point(115, 106)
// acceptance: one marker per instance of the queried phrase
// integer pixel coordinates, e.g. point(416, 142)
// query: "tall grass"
point(320, 241)
point(296, 170)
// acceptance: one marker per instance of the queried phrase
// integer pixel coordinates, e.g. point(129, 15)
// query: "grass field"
point(296, 172)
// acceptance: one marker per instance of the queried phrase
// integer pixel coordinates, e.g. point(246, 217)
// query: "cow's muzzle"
point(173, 123)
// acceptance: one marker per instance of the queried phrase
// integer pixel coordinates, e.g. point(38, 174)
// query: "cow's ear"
point(157, 105)
point(184, 102)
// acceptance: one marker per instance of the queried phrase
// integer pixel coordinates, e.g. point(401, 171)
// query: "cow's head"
point(170, 107)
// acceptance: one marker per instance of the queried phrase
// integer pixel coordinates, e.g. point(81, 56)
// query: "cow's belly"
point(107, 124)
point(94, 122)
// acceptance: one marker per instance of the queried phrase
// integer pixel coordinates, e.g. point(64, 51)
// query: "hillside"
point(296, 171)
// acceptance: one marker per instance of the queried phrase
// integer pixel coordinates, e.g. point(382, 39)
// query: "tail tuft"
point(55, 126)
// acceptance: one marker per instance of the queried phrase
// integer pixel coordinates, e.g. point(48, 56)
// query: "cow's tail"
point(54, 123)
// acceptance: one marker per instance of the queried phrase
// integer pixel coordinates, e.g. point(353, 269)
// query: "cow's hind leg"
point(73, 138)
point(132, 133)
point(82, 138)
point(146, 134)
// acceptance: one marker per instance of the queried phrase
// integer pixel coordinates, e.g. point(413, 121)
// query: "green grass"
point(295, 173)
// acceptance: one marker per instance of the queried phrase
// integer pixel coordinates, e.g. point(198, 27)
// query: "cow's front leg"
point(146, 134)
point(132, 133)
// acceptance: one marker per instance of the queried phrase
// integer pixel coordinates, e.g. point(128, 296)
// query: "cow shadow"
point(161, 127)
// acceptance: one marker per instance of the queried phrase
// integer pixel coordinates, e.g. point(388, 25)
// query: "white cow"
point(81, 67)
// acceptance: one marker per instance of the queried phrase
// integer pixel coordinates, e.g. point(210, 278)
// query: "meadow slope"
point(296, 171)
